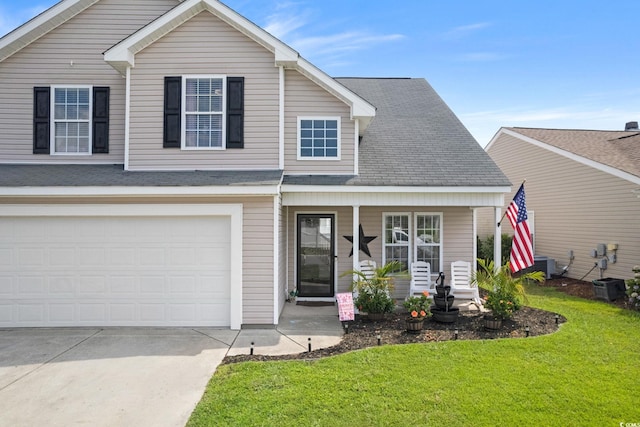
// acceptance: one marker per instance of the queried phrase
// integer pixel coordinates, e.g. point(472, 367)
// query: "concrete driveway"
point(106, 377)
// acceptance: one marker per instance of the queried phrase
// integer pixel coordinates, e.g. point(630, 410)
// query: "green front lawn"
point(587, 374)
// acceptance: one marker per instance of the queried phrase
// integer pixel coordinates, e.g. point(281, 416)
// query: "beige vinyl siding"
point(457, 229)
point(305, 98)
point(204, 45)
point(47, 62)
point(576, 207)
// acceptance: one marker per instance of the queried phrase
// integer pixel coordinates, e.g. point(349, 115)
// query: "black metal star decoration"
point(364, 242)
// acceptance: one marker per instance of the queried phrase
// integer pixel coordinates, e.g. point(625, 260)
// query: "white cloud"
point(296, 26)
point(465, 30)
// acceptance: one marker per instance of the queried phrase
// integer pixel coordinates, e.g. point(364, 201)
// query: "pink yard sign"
point(345, 306)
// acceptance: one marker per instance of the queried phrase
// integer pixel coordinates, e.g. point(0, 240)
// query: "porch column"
point(474, 255)
point(497, 241)
point(356, 237)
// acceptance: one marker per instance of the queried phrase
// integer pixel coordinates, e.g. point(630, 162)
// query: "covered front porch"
point(329, 230)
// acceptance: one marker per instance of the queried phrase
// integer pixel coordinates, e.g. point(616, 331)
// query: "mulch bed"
point(363, 333)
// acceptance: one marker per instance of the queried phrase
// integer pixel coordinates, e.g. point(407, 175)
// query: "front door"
point(316, 251)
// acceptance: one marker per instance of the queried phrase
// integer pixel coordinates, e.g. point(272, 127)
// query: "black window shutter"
point(235, 112)
point(172, 112)
point(41, 119)
point(100, 120)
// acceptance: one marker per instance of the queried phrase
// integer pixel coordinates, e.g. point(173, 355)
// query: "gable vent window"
point(203, 112)
point(70, 120)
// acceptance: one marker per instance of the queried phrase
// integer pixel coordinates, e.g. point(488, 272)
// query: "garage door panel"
point(116, 271)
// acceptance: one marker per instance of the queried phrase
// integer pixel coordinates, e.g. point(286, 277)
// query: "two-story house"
point(169, 162)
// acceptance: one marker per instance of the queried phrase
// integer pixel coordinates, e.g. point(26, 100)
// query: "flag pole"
point(505, 212)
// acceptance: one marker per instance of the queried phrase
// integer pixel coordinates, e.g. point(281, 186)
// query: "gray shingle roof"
point(416, 140)
point(114, 175)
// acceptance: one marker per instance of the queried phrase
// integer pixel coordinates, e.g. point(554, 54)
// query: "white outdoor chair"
point(368, 268)
point(421, 278)
point(461, 285)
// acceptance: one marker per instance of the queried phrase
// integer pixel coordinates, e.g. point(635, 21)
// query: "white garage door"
point(115, 271)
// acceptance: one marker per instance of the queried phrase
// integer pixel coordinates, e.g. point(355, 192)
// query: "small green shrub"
point(505, 293)
point(485, 248)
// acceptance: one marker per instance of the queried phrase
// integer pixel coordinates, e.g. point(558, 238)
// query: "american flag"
point(522, 247)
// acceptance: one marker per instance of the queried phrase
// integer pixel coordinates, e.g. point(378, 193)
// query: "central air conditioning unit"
point(542, 263)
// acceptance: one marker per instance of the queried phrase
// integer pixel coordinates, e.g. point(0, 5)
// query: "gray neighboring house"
point(148, 178)
point(582, 191)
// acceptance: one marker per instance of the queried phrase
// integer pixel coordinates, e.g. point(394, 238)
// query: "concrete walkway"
point(134, 376)
point(297, 324)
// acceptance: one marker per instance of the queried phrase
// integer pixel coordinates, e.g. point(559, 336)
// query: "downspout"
point(281, 119)
point(356, 149)
point(127, 112)
point(276, 251)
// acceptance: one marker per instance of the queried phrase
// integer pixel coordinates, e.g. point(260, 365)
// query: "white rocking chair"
point(421, 278)
point(461, 285)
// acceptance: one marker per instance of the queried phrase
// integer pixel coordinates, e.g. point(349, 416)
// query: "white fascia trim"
point(289, 188)
point(41, 25)
point(575, 157)
point(125, 51)
point(266, 190)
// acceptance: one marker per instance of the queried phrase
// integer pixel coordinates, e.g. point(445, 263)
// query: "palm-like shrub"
point(505, 292)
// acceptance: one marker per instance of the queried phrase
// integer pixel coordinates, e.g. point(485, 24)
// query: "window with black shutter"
point(70, 120)
point(205, 121)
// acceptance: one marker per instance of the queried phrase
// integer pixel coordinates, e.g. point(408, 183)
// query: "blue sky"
point(544, 63)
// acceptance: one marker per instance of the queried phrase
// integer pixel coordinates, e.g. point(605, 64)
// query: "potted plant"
point(374, 292)
point(505, 292)
point(293, 295)
point(418, 309)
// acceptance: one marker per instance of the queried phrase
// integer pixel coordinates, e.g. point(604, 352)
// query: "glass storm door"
point(316, 250)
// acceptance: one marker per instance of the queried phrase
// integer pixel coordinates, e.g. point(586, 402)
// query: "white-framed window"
point(71, 118)
point(396, 231)
point(203, 112)
point(428, 239)
point(410, 238)
point(318, 138)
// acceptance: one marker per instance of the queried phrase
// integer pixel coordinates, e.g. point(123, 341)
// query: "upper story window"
point(319, 138)
point(71, 108)
point(204, 112)
point(70, 120)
